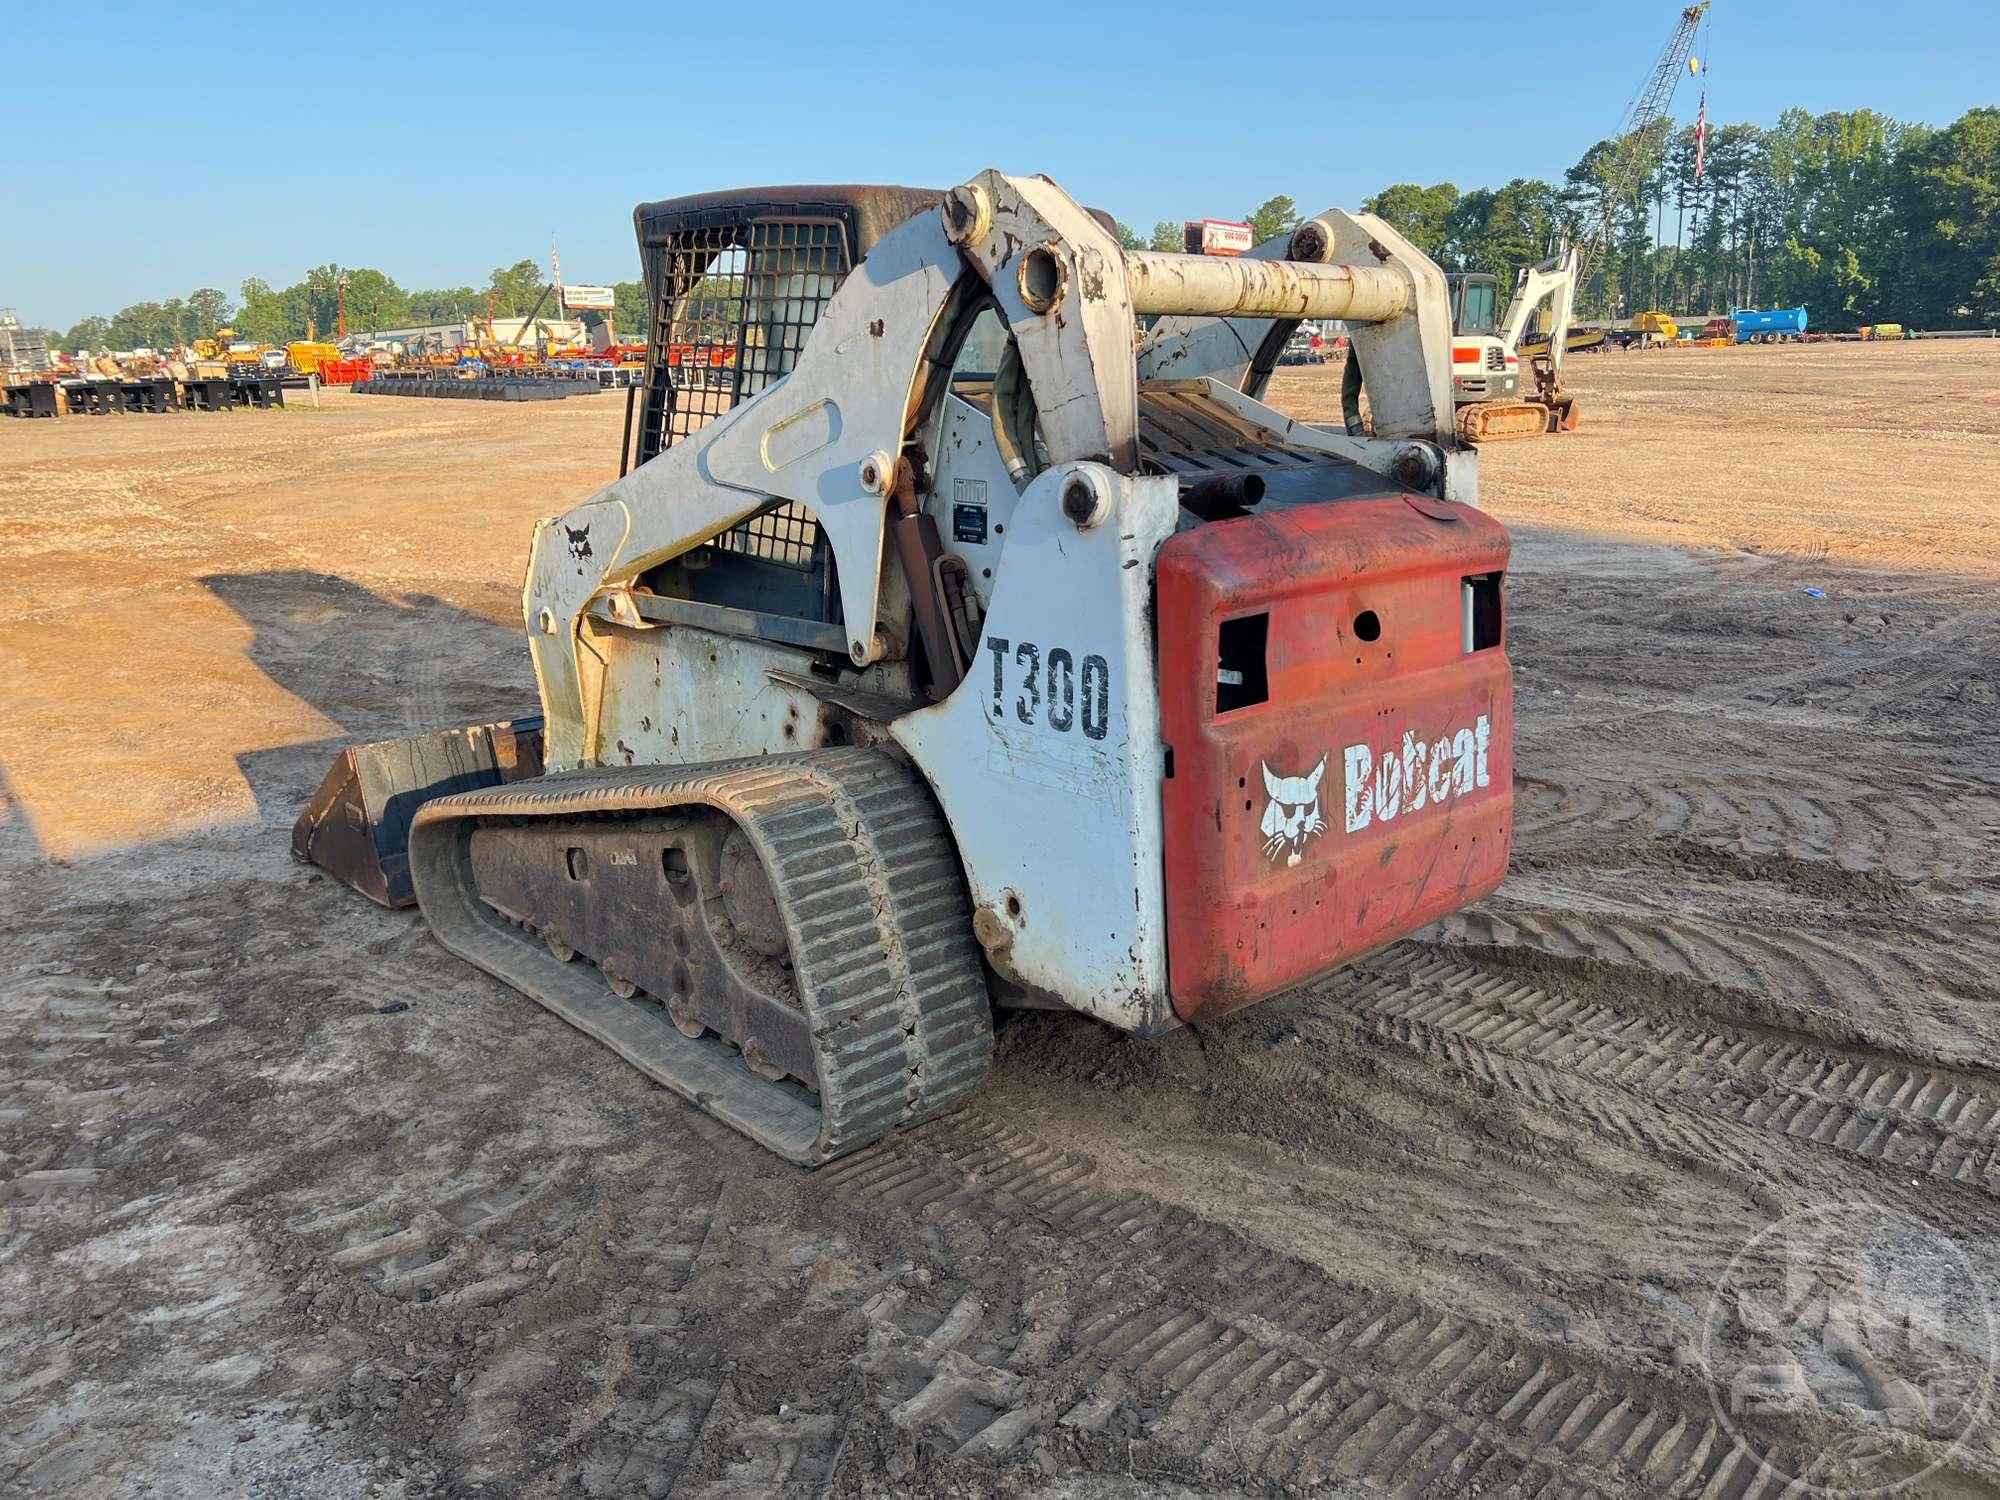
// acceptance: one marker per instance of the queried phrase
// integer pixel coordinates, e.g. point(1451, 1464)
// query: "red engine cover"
point(1370, 790)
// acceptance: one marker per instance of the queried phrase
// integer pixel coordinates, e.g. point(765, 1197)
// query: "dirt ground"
point(1571, 1195)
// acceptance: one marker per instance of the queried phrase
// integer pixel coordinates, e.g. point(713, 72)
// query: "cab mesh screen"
point(733, 305)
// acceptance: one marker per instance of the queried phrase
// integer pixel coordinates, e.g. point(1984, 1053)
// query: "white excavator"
point(1486, 355)
point(938, 655)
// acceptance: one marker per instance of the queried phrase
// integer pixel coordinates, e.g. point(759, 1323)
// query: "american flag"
point(1701, 135)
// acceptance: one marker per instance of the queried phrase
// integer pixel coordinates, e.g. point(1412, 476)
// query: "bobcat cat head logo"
point(579, 542)
point(1291, 817)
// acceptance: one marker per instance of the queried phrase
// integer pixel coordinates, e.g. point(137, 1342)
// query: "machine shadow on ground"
point(378, 666)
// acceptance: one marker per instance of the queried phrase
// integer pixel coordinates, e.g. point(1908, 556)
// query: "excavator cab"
point(738, 282)
point(1483, 368)
point(1475, 300)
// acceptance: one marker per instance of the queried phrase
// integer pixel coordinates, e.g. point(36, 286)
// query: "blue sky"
point(438, 142)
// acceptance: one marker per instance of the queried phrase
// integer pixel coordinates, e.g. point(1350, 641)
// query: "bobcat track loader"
point(932, 659)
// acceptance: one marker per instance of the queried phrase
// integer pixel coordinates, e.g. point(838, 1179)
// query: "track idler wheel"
point(748, 903)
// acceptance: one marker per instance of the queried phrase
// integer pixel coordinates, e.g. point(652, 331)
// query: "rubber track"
point(875, 908)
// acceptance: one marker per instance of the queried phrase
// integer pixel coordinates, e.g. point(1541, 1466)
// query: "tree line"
point(263, 314)
point(1856, 216)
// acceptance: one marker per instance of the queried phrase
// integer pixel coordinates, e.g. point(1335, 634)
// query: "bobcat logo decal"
point(579, 541)
point(1292, 816)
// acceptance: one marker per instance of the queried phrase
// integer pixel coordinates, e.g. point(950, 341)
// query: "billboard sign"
point(588, 298)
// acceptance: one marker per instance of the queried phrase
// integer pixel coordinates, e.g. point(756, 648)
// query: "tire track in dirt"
point(80, 1056)
point(646, 1438)
point(1893, 677)
point(1611, 1115)
point(468, 1228)
point(1861, 983)
point(1777, 655)
point(1792, 966)
point(1554, 1161)
point(1777, 1176)
point(1278, 1372)
point(1917, 835)
point(1248, 1376)
point(645, 1443)
point(694, 1252)
point(1914, 1119)
point(647, 1447)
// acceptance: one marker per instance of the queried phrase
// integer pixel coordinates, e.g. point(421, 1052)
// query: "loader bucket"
point(357, 825)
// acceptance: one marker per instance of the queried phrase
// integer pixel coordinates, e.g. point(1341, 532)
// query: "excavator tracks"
point(784, 942)
point(1505, 421)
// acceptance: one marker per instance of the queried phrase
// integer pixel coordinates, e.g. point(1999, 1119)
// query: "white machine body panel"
point(1047, 760)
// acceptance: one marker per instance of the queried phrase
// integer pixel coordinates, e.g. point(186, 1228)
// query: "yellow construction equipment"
point(1657, 324)
point(306, 356)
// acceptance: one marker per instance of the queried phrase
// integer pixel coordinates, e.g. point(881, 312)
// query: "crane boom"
point(536, 312)
point(1647, 106)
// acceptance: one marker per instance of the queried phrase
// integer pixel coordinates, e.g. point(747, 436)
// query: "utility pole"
point(1680, 241)
point(341, 287)
point(1659, 232)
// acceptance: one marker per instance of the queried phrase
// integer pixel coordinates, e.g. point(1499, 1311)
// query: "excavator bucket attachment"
point(357, 825)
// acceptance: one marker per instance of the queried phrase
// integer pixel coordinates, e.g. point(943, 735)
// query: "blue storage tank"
point(1767, 326)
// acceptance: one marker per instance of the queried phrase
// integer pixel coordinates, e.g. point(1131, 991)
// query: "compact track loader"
point(931, 659)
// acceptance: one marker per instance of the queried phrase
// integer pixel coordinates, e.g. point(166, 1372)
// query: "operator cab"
point(1482, 367)
point(1475, 302)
